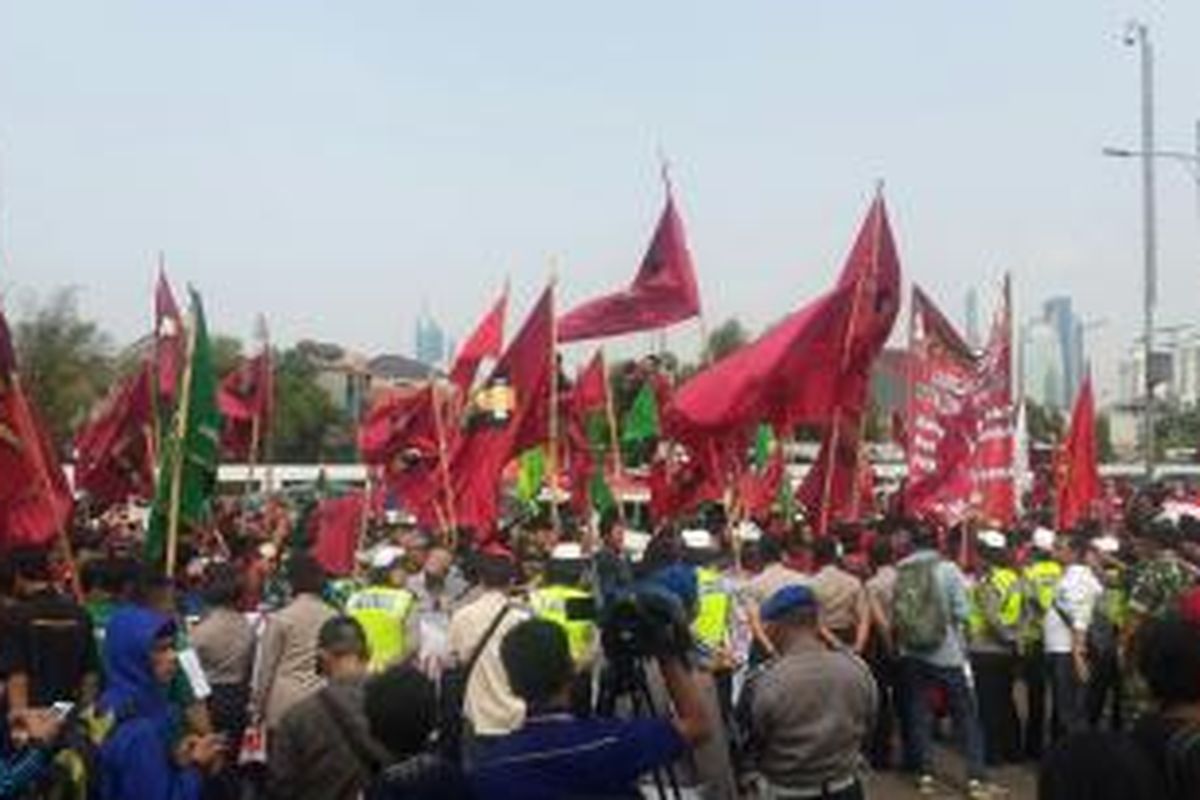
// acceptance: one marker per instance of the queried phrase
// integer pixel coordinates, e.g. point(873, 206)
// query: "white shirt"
point(1076, 595)
point(490, 704)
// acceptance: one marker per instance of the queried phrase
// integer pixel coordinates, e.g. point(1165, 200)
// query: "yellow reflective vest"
point(996, 604)
point(1041, 582)
point(383, 613)
point(711, 626)
point(550, 603)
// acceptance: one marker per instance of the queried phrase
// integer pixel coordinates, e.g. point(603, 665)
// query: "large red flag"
point(943, 417)
point(115, 459)
point(872, 274)
point(245, 401)
point(169, 345)
point(485, 342)
point(1078, 473)
point(509, 415)
point(785, 377)
point(338, 529)
point(35, 500)
point(995, 457)
point(590, 392)
point(663, 292)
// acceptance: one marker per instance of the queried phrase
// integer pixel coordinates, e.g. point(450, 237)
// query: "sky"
point(339, 166)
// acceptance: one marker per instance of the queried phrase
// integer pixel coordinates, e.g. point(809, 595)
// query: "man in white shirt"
point(490, 706)
point(1065, 633)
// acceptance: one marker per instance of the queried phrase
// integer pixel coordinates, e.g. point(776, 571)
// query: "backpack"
point(74, 772)
point(917, 608)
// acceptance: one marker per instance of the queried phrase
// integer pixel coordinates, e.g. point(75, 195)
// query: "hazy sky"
point(337, 164)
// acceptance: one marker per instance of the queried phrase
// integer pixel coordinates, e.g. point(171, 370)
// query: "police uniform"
point(551, 603)
point(993, 625)
point(384, 613)
point(1040, 579)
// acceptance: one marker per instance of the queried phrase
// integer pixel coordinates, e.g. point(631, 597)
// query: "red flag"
point(590, 392)
point(684, 479)
point(169, 344)
point(35, 500)
point(114, 449)
point(244, 398)
point(338, 525)
point(509, 415)
point(1078, 475)
point(943, 415)
point(663, 292)
point(995, 457)
point(785, 377)
point(485, 342)
point(759, 490)
point(834, 481)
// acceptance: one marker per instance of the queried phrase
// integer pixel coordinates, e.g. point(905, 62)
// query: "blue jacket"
point(136, 758)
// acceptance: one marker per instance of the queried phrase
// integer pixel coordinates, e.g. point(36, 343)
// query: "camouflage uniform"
point(1155, 586)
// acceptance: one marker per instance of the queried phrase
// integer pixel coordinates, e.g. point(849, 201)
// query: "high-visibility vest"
point(1007, 584)
point(550, 603)
point(1041, 583)
point(711, 626)
point(383, 613)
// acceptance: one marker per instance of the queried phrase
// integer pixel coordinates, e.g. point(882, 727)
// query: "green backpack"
point(918, 613)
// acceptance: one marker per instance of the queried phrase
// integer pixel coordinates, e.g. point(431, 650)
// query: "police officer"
point(993, 628)
point(1040, 580)
point(560, 594)
point(384, 609)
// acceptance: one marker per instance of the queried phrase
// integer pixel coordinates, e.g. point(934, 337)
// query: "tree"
point(729, 336)
point(66, 363)
point(1045, 425)
point(227, 352)
point(307, 426)
point(1104, 445)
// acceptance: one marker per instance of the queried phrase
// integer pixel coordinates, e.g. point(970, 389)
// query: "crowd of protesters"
point(564, 661)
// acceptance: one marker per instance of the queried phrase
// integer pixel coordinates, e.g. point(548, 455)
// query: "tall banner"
point(960, 419)
point(996, 450)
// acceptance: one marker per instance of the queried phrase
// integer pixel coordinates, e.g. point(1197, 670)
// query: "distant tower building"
point(1058, 314)
point(431, 343)
point(974, 334)
point(1044, 378)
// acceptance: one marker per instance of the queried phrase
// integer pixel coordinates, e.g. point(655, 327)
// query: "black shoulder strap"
point(469, 667)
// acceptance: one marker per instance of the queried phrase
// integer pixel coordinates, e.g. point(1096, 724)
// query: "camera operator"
point(810, 709)
point(556, 755)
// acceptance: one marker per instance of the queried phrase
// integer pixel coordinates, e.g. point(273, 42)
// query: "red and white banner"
point(960, 419)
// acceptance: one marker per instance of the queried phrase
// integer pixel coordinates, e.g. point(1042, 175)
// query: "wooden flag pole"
point(181, 420)
point(552, 454)
point(610, 414)
point(450, 523)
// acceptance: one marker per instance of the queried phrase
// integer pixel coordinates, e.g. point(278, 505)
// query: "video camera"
point(640, 621)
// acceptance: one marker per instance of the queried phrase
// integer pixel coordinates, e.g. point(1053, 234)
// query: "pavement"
point(1018, 783)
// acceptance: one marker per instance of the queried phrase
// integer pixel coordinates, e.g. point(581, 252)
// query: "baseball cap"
point(697, 539)
point(1043, 539)
point(786, 600)
point(566, 551)
point(386, 556)
point(993, 539)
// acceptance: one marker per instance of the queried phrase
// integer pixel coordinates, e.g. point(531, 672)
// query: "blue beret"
point(786, 600)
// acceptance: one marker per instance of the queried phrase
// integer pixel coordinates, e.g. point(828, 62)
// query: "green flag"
point(188, 466)
point(763, 442)
point(600, 493)
point(641, 421)
point(531, 474)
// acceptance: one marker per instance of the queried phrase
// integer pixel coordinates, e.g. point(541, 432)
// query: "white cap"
point(566, 551)
point(268, 550)
point(636, 543)
point(697, 539)
point(1043, 539)
point(1107, 544)
point(993, 539)
point(385, 556)
point(391, 516)
point(747, 531)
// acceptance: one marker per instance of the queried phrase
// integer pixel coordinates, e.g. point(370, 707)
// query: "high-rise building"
point(1044, 378)
point(1057, 312)
point(431, 345)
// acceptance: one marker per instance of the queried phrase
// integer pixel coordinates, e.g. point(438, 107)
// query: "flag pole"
point(156, 410)
point(181, 418)
point(835, 434)
point(610, 414)
point(450, 522)
point(552, 455)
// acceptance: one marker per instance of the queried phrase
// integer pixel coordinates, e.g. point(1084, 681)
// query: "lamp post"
point(1138, 35)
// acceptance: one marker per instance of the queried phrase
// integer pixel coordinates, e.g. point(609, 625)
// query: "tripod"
point(625, 677)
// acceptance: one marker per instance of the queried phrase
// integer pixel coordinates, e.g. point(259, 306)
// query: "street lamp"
point(1138, 35)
